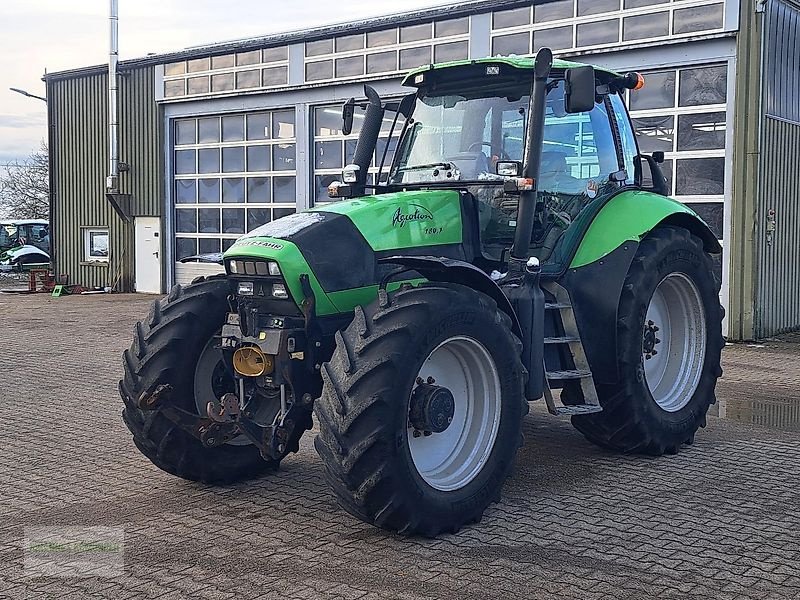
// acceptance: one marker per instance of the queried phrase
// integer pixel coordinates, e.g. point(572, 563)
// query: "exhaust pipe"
point(367, 138)
point(533, 154)
point(112, 181)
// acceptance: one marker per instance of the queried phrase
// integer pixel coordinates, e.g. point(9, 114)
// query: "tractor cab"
point(24, 243)
point(468, 128)
point(33, 232)
point(475, 137)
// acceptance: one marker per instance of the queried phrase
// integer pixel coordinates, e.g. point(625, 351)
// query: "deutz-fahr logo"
point(420, 214)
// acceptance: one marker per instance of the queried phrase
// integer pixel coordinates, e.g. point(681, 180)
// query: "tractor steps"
point(581, 374)
point(582, 409)
point(566, 339)
point(565, 375)
point(557, 305)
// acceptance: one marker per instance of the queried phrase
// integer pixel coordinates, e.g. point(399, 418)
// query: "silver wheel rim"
point(449, 460)
point(676, 327)
point(204, 384)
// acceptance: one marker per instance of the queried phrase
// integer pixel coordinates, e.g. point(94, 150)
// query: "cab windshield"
point(8, 235)
point(460, 139)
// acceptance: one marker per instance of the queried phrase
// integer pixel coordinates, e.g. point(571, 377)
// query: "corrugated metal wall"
point(778, 293)
point(79, 161)
point(140, 142)
point(778, 289)
point(782, 60)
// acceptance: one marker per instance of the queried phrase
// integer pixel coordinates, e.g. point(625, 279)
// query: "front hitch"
point(226, 420)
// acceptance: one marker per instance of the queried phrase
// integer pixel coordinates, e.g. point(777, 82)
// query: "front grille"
point(261, 268)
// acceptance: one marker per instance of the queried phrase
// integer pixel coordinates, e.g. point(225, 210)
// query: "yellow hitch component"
point(250, 361)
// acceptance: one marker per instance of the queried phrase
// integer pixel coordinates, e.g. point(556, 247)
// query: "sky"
point(38, 36)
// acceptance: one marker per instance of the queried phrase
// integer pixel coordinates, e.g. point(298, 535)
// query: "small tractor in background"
point(24, 244)
point(520, 244)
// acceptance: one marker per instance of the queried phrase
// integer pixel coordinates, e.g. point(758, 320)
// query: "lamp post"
point(28, 94)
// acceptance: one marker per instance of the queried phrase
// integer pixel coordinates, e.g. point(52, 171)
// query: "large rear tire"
point(669, 342)
point(173, 347)
point(381, 465)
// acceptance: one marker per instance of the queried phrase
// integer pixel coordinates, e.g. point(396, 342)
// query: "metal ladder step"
point(566, 339)
point(581, 373)
point(562, 375)
point(580, 409)
point(557, 305)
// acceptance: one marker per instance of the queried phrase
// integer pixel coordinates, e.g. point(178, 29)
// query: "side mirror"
point(508, 168)
point(348, 111)
point(656, 182)
point(658, 156)
point(579, 93)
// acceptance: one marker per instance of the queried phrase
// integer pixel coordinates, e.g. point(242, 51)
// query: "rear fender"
point(629, 217)
point(598, 270)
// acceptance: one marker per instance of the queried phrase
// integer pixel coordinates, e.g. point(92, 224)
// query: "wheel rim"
point(449, 460)
point(674, 342)
point(211, 381)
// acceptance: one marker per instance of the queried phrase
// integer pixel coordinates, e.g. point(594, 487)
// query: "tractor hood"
point(338, 245)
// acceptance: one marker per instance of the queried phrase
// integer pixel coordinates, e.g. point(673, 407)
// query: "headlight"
point(279, 290)
point(233, 266)
point(245, 288)
point(274, 269)
point(261, 268)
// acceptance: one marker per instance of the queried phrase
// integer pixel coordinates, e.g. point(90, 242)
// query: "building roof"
point(450, 11)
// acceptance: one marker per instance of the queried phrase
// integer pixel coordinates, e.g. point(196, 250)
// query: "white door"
point(148, 255)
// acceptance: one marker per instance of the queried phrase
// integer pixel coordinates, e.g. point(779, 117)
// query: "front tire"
point(669, 342)
point(172, 347)
point(382, 468)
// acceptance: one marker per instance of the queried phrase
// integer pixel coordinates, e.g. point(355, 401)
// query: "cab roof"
point(523, 63)
point(23, 222)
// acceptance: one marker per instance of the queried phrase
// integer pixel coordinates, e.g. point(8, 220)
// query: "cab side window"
point(629, 146)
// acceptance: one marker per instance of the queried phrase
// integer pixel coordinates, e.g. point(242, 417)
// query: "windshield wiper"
point(444, 165)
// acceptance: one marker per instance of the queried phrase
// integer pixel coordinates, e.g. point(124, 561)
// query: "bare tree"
point(25, 187)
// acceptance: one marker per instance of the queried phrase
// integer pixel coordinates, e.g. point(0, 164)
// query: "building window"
point(682, 112)
point(568, 25)
point(232, 173)
point(387, 51)
point(95, 244)
point(227, 73)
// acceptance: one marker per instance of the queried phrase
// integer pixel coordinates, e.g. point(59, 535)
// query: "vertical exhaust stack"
point(112, 181)
point(533, 154)
point(368, 137)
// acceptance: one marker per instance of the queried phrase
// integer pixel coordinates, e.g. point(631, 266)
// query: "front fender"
point(629, 217)
point(449, 270)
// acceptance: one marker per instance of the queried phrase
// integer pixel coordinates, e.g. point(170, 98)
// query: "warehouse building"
point(216, 140)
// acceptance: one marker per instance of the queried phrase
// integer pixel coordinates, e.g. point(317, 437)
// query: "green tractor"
point(521, 244)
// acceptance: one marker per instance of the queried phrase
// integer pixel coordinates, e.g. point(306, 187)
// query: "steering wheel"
point(477, 145)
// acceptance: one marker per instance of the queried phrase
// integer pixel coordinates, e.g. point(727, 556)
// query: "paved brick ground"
point(720, 520)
